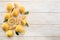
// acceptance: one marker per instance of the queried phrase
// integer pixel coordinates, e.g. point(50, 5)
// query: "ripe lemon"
point(15, 13)
point(18, 21)
point(23, 22)
point(15, 5)
point(11, 21)
point(7, 15)
point(9, 6)
point(9, 33)
point(22, 9)
point(19, 28)
point(5, 26)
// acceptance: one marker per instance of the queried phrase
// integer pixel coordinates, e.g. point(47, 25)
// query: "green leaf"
point(5, 20)
point(12, 9)
point(16, 33)
point(27, 24)
point(27, 12)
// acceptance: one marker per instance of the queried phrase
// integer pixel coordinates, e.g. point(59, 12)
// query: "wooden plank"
point(28, 5)
point(38, 30)
point(40, 18)
point(43, 19)
point(30, 38)
point(36, 6)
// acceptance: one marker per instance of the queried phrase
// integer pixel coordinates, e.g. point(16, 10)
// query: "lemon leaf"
point(27, 12)
point(5, 20)
point(12, 9)
point(16, 33)
point(27, 24)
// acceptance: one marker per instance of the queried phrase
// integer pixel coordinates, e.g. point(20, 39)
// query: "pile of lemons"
point(14, 20)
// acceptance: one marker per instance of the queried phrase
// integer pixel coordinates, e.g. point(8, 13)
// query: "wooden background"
point(44, 19)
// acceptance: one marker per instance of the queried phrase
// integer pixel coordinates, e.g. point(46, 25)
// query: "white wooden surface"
point(44, 19)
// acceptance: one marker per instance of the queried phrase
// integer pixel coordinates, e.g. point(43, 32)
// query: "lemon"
point(9, 6)
point(11, 21)
point(15, 13)
point(23, 22)
point(18, 21)
point(22, 9)
point(9, 33)
point(7, 15)
point(15, 5)
point(19, 28)
point(5, 26)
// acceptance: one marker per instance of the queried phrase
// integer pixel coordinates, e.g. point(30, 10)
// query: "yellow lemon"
point(19, 28)
point(9, 6)
point(18, 21)
point(23, 22)
point(15, 13)
point(15, 5)
point(5, 26)
point(9, 33)
point(7, 15)
point(11, 21)
point(22, 9)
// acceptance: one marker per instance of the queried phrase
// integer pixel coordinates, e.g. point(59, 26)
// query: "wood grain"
point(44, 19)
point(36, 6)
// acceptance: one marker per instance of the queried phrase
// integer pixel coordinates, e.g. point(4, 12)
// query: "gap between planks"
point(38, 12)
point(39, 24)
point(33, 36)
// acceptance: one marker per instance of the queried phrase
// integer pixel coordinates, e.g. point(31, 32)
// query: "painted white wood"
point(30, 38)
point(37, 6)
point(38, 30)
point(44, 19)
point(40, 18)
